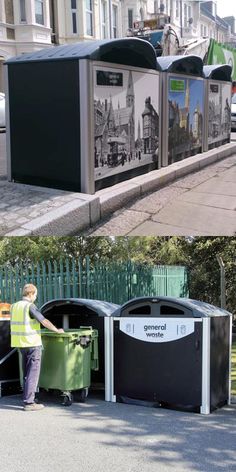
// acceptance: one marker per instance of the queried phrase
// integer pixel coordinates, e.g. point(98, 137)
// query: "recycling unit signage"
point(157, 330)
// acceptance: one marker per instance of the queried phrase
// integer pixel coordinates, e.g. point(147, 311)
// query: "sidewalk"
point(30, 210)
point(203, 203)
point(98, 436)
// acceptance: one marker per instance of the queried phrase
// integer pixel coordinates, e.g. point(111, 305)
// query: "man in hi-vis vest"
point(25, 335)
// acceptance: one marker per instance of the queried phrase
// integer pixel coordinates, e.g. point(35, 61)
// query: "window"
point(74, 16)
point(104, 20)
point(89, 18)
point(130, 18)
point(185, 15)
point(177, 8)
point(189, 12)
point(114, 21)
point(155, 6)
point(9, 11)
point(39, 12)
point(22, 11)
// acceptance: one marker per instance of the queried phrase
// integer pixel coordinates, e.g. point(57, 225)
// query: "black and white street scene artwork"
point(219, 122)
point(126, 120)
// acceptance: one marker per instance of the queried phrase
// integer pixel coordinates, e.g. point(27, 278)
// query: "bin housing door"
point(126, 108)
point(159, 359)
point(183, 112)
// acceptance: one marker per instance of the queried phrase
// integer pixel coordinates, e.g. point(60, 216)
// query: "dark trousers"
point(31, 363)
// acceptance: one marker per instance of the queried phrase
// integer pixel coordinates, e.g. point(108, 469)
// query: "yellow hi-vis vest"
point(25, 331)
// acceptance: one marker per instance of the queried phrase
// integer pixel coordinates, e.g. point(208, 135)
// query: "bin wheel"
point(82, 395)
point(67, 399)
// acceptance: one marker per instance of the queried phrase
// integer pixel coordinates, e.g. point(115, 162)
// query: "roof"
point(199, 309)
point(102, 308)
point(218, 72)
point(217, 19)
point(187, 65)
point(128, 51)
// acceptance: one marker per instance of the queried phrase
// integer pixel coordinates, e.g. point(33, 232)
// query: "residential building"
point(24, 27)
point(85, 20)
point(212, 26)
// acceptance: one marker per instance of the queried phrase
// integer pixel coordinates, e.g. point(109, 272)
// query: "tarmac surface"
point(98, 436)
point(196, 196)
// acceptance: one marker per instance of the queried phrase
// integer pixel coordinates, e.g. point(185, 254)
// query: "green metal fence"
point(114, 282)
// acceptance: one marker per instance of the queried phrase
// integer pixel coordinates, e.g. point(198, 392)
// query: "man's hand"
point(60, 330)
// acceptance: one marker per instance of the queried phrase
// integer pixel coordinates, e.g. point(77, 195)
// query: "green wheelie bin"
point(67, 361)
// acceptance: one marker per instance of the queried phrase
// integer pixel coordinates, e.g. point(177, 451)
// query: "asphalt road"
point(111, 437)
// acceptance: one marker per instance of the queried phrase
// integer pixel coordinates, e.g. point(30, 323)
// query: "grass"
point(233, 369)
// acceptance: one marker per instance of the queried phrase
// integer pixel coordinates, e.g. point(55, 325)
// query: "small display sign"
point(108, 78)
point(214, 88)
point(157, 330)
point(177, 85)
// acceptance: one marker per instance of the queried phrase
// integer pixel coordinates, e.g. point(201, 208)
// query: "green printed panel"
point(177, 85)
point(222, 54)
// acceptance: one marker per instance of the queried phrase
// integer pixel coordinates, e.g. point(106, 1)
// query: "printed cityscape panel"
point(219, 122)
point(185, 98)
point(126, 121)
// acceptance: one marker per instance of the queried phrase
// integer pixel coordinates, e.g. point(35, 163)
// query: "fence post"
point(87, 268)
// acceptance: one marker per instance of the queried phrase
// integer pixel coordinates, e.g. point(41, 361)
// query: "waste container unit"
point(172, 352)
point(67, 361)
point(95, 107)
point(182, 107)
point(218, 91)
point(9, 369)
point(71, 313)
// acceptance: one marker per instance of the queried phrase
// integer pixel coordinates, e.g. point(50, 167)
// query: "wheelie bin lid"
point(220, 72)
point(71, 333)
point(128, 51)
point(184, 65)
point(101, 308)
point(172, 306)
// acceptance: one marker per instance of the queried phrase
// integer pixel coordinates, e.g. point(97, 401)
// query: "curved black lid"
point(218, 72)
point(129, 51)
point(102, 308)
point(186, 65)
point(197, 308)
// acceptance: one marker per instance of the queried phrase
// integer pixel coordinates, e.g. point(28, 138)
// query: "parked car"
point(2, 110)
point(233, 112)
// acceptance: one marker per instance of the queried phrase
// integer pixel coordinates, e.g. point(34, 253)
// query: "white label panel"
point(157, 330)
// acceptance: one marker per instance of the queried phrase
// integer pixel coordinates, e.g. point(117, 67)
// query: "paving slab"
point(151, 228)
point(209, 200)
point(200, 218)
point(31, 210)
point(218, 187)
point(122, 224)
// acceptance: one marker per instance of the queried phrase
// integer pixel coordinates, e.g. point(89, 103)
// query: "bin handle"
point(8, 355)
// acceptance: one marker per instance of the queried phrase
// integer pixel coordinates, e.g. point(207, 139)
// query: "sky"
point(196, 97)
point(226, 8)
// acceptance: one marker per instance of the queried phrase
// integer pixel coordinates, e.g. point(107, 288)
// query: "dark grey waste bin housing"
point(9, 364)
point(75, 312)
point(173, 352)
point(77, 114)
point(218, 105)
point(183, 107)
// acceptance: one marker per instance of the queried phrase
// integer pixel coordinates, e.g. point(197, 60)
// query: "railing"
point(114, 282)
